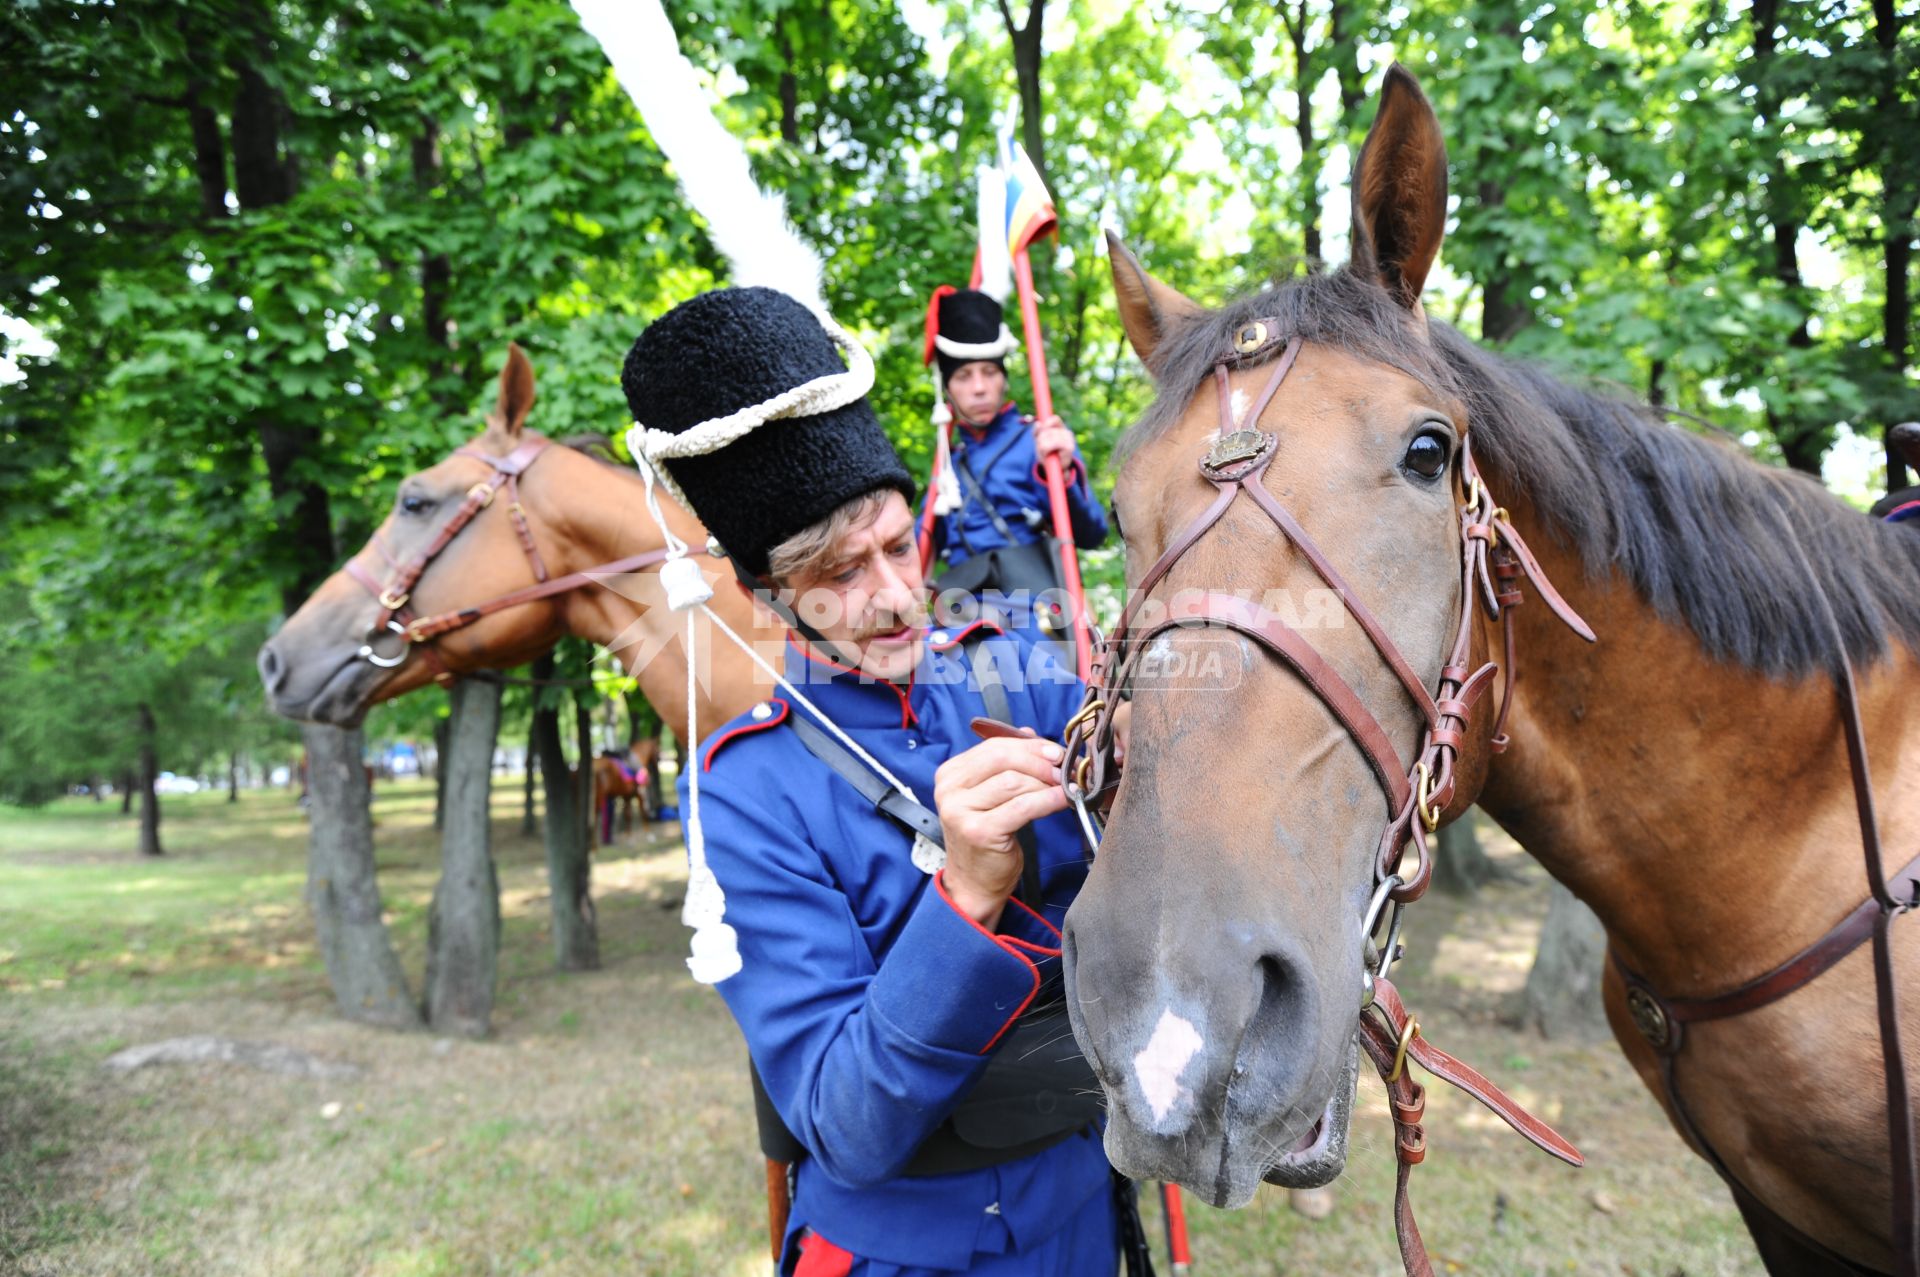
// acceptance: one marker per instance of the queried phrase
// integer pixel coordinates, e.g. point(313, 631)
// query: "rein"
point(396, 616)
point(1419, 798)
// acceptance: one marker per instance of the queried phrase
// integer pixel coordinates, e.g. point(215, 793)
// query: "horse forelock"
point(1713, 540)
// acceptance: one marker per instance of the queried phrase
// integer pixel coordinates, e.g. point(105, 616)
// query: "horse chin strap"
point(1418, 798)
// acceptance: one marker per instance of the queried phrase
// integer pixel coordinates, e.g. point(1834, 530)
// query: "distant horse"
point(621, 781)
point(455, 582)
point(1685, 775)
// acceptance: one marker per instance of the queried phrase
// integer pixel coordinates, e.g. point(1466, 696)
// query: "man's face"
point(868, 598)
point(977, 390)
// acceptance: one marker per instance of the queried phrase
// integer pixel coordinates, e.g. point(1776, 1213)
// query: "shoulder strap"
point(994, 692)
point(979, 494)
point(909, 814)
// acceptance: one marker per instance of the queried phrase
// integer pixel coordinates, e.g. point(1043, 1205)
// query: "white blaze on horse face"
point(1160, 1063)
point(1237, 403)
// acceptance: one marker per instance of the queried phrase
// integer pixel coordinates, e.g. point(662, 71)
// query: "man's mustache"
point(891, 623)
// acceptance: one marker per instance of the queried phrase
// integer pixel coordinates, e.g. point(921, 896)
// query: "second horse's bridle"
point(1419, 798)
point(395, 593)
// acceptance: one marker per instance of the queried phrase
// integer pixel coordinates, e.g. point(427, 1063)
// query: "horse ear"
point(516, 395)
point(1400, 191)
point(1148, 308)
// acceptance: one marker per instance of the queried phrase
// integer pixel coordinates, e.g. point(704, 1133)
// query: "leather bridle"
point(395, 593)
point(1419, 798)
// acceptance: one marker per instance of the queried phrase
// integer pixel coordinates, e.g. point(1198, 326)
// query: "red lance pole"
point(1056, 480)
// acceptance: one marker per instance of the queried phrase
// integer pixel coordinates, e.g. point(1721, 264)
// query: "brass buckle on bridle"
point(393, 601)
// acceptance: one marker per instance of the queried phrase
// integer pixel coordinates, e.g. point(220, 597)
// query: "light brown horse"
point(581, 513)
point(1685, 775)
point(614, 785)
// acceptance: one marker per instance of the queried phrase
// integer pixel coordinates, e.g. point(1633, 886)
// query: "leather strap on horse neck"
point(1661, 1020)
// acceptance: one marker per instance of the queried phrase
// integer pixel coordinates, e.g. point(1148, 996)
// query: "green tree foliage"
point(279, 248)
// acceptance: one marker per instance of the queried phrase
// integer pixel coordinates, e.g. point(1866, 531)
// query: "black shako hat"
point(733, 348)
point(966, 317)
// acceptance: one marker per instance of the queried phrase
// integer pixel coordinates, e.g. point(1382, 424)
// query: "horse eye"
point(414, 503)
point(1427, 455)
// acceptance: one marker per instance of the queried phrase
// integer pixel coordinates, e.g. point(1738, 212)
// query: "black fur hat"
point(730, 349)
point(968, 316)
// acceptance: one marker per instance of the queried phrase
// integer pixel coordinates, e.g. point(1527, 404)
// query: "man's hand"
point(1052, 438)
point(984, 797)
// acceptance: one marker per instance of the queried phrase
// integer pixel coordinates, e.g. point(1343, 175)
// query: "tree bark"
point(576, 940)
point(149, 776)
point(463, 924)
point(367, 981)
point(126, 792)
point(1296, 20)
point(442, 730)
point(1026, 74)
point(1898, 206)
point(233, 777)
point(1562, 994)
point(1505, 308)
point(1460, 865)
point(527, 826)
point(1799, 444)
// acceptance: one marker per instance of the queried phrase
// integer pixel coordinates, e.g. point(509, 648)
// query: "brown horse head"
point(1215, 954)
point(317, 666)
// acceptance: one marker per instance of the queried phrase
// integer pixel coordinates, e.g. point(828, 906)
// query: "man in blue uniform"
point(992, 522)
point(891, 944)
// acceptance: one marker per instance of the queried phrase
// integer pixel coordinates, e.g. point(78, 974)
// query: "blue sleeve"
point(1084, 511)
point(862, 1060)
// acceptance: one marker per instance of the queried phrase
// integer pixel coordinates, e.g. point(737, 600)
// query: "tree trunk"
point(1026, 74)
point(1799, 442)
point(233, 777)
point(527, 827)
point(576, 941)
point(1460, 865)
point(1898, 206)
point(149, 776)
point(442, 729)
point(126, 792)
point(1296, 21)
point(463, 924)
point(367, 981)
point(1562, 994)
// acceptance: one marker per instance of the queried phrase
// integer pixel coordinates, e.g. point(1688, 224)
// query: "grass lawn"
point(605, 1126)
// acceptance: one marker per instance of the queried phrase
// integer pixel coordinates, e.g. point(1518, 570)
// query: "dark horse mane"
point(1708, 537)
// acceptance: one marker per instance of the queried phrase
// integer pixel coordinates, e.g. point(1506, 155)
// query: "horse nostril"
point(272, 672)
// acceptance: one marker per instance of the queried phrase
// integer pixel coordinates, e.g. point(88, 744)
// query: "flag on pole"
point(1029, 208)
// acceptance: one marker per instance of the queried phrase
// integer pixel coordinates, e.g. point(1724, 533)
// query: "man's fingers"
point(1030, 807)
point(1034, 756)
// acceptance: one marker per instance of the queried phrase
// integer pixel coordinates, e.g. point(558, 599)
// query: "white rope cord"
point(999, 348)
point(809, 399)
point(946, 484)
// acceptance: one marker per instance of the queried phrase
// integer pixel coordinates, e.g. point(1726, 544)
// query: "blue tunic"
point(1002, 457)
point(869, 1003)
